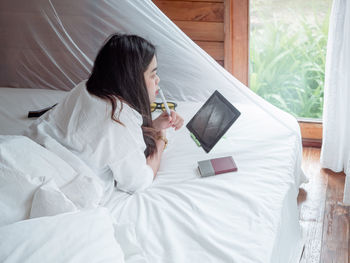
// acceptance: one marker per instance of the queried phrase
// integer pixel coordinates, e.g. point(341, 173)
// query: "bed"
point(247, 216)
point(48, 212)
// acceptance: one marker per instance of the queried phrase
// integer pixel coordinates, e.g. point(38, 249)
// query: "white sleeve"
point(118, 147)
point(127, 160)
point(132, 173)
point(122, 151)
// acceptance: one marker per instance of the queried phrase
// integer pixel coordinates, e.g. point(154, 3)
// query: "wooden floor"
point(324, 219)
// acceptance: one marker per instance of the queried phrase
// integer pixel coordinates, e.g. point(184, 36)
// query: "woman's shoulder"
point(91, 110)
point(96, 112)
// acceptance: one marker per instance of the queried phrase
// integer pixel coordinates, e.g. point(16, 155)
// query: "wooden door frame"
point(236, 60)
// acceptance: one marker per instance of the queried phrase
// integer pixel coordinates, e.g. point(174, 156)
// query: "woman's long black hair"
point(118, 72)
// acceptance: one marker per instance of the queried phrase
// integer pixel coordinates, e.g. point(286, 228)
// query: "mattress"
point(247, 216)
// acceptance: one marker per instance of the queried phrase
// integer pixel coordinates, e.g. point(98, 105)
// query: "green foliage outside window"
point(287, 63)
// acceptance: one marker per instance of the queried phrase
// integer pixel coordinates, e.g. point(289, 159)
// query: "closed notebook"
point(217, 166)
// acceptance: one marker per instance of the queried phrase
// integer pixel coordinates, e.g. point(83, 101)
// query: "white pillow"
point(23, 196)
point(16, 194)
point(49, 201)
point(21, 154)
point(25, 155)
point(24, 167)
point(86, 236)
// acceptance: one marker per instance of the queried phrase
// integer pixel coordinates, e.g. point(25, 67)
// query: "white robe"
point(80, 130)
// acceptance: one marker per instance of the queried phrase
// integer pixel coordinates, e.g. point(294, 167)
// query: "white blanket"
point(247, 216)
point(86, 236)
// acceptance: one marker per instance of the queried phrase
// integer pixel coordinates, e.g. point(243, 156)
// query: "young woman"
point(106, 121)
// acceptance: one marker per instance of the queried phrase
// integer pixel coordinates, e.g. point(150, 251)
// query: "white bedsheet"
point(247, 216)
point(15, 104)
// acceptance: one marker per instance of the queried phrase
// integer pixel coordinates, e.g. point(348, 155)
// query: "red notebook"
point(217, 166)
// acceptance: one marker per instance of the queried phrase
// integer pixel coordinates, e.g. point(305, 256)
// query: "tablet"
point(212, 120)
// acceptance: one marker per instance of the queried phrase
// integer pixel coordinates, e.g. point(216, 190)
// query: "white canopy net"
point(52, 44)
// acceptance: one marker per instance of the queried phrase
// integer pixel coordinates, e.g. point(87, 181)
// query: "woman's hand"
point(164, 121)
point(176, 120)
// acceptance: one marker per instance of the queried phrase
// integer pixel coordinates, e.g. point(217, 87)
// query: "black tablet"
point(212, 120)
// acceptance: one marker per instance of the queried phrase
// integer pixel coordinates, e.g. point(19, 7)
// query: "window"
point(287, 46)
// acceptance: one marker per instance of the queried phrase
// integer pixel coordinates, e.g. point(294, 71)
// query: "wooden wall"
point(220, 27)
point(201, 20)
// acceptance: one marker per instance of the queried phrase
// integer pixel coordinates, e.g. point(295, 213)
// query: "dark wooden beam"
point(237, 38)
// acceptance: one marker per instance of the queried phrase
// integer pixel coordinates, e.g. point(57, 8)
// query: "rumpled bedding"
point(247, 216)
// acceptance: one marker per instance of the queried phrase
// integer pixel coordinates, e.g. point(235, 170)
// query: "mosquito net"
point(52, 44)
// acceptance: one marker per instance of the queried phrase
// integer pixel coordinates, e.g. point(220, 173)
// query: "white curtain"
point(335, 153)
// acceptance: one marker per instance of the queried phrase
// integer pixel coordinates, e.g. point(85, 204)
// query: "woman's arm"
point(154, 160)
point(162, 123)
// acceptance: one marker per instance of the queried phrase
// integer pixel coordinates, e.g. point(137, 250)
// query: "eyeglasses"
point(161, 106)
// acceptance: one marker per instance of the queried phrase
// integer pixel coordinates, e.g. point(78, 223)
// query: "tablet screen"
point(212, 120)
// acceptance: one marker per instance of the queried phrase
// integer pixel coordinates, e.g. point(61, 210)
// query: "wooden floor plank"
point(312, 198)
point(335, 240)
point(323, 217)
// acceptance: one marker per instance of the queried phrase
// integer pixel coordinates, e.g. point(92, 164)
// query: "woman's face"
point(152, 80)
